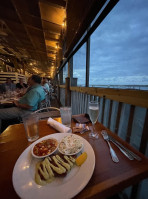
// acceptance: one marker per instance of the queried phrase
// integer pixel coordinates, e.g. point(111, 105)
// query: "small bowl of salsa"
point(44, 148)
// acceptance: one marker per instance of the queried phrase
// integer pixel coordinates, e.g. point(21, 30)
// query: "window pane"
point(79, 65)
point(65, 72)
point(119, 46)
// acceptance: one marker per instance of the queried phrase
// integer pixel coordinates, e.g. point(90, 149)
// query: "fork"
point(128, 155)
point(129, 152)
point(112, 152)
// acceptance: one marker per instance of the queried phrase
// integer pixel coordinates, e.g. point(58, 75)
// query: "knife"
point(127, 150)
point(128, 155)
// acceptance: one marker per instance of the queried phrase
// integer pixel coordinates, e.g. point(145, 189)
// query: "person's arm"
point(46, 91)
point(23, 106)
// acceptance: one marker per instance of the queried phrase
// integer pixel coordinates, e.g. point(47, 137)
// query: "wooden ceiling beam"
point(51, 58)
point(8, 14)
point(50, 48)
point(16, 42)
point(55, 24)
point(51, 39)
point(33, 27)
point(56, 3)
point(19, 15)
point(51, 32)
point(28, 6)
point(38, 51)
point(51, 52)
point(16, 6)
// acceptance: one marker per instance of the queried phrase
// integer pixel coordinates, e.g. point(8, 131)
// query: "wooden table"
point(108, 177)
point(6, 105)
point(8, 102)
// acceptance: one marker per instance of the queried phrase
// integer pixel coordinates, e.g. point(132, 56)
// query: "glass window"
point(65, 72)
point(119, 46)
point(79, 65)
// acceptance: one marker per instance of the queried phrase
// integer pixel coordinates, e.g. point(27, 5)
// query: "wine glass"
point(93, 114)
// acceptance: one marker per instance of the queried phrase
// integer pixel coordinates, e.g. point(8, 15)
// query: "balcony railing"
point(124, 112)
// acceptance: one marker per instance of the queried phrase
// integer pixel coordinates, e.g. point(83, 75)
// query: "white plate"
point(6, 102)
point(65, 188)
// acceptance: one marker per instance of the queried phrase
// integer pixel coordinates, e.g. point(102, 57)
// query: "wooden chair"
point(47, 112)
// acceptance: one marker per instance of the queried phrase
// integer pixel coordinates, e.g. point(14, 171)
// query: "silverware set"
point(128, 153)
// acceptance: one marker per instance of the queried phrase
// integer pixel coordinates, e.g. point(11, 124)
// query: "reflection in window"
point(65, 72)
point(119, 46)
point(79, 65)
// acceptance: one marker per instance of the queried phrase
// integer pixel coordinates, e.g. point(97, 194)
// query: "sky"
point(118, 47)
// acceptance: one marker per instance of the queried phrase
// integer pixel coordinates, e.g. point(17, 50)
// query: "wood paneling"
point(144, 139)
point(118, 117)
point(130, 123)
point(110, 112)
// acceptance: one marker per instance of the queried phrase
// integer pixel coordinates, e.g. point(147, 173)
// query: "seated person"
point(21, 87)
point(9, 85)
point(1, 88)
point(45, 84)
point(28, 103)
point(21, 84)
point(26, 89)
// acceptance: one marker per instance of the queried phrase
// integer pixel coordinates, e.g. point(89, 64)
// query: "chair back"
point(47, 112)
point(44, 103)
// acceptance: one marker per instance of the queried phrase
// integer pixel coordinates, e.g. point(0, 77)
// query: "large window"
point(79, 65)
point(65, 72)
point(119, 46)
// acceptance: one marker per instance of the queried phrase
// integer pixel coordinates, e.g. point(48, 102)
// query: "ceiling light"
point(57, 45)
point(63, 24)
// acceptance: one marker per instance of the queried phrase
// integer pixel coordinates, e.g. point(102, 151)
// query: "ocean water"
point(134, 87)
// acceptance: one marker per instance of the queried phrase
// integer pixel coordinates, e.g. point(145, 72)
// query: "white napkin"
point(58, 126)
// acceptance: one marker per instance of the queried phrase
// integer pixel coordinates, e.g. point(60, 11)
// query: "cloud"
point(119, 46)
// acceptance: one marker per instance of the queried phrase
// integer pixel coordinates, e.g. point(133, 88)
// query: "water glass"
point(31, 126)
point(66, 116)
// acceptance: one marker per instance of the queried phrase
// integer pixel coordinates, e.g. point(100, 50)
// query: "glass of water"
point(93, 114)
point(66, 116)
point(31, 126)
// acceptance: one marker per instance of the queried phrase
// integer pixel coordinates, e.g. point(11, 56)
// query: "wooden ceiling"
point(37, 34)
point(30, 30)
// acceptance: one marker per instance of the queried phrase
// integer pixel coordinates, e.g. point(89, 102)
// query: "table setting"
point(68, 186)
point(80, 160)
point(7, 99)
